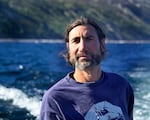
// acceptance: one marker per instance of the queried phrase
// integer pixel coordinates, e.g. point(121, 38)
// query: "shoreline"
point(34, 40)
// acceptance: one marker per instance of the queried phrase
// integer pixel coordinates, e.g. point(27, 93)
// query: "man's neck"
point(90, 75)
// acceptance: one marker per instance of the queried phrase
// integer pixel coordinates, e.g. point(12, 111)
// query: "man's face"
point(84, 47)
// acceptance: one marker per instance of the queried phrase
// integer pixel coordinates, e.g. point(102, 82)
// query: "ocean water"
point(28, 69)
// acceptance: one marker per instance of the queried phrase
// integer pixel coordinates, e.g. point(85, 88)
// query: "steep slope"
point(47, 18)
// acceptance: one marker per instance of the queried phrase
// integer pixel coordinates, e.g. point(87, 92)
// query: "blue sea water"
point(28, 69)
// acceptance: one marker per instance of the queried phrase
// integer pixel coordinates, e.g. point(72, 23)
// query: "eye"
point(89, 38)
point(76, 40)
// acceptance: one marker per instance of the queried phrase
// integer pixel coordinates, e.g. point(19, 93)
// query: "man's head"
point(85, 43)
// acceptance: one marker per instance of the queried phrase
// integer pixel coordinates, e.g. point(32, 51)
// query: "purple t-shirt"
point(110, 98)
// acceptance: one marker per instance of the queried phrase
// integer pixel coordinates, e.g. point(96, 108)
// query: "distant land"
point(47, 19)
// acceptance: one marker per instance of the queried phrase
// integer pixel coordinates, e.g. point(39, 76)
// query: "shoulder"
point(56, 88)
point(120, 83)
point(49, 105)
point(115, 77)
point(118, 80)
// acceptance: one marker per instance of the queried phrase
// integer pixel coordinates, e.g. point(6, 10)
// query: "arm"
point(49, 116)
point(50, 109)
point(131, 105)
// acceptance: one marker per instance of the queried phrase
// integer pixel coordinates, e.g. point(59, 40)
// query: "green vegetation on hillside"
point(48, 18)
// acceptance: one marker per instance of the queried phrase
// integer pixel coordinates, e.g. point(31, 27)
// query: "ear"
point(102, 45)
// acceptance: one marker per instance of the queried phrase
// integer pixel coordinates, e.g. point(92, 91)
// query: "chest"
point(80, 104)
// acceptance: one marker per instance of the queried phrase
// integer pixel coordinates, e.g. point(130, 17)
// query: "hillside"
point(121, 19)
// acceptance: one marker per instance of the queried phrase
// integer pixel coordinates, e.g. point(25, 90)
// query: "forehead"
point(83, 30)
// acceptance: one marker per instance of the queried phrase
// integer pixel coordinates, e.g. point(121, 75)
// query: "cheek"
point(72, 48)
point(95, 48)
point(72, 52)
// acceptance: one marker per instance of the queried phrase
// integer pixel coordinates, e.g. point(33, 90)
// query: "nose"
point(82, 45)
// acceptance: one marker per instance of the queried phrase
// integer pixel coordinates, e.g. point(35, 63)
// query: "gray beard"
point(87, 64)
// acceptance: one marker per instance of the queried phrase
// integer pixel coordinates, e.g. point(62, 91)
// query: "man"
point(88, 93)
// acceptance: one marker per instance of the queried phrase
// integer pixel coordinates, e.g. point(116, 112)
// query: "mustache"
point(95, 59)
point(77, 56)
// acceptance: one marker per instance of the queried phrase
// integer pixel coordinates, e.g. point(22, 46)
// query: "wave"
point(142, 99)
point(21, 100)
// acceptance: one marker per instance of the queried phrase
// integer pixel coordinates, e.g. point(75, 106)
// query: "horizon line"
point(34, 40)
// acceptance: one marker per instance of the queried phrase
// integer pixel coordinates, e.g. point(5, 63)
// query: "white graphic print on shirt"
point(104, 111)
